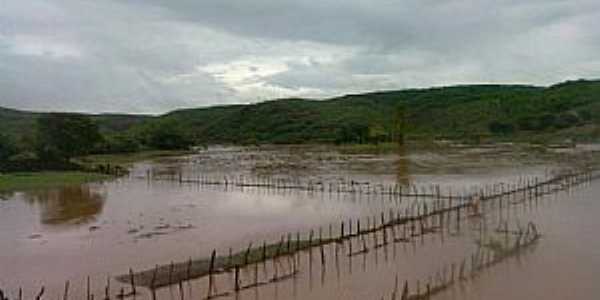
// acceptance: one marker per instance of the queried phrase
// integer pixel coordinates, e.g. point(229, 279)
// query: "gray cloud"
point(157, 55)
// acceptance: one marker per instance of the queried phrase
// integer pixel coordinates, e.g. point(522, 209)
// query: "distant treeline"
point(56, 138)
point(569, 110)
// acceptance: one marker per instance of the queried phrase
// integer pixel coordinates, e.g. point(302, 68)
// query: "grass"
point(127, 158)
point(48, 179)
point(40, 180)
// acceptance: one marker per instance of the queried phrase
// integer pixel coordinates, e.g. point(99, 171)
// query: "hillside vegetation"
point(570, 110)
point(567, 110)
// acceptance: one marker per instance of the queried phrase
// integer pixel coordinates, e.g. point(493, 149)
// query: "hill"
point(566, 110)
point(457, 112)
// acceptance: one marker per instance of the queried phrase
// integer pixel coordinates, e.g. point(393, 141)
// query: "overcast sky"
point(153, 56)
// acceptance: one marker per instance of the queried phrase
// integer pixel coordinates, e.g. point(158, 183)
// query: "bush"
point(8, 147)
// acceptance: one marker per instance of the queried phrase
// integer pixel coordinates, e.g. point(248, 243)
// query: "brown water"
point(50, 236)
point(565, 264)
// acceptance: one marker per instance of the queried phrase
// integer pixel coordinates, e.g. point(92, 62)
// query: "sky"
point(154, 56)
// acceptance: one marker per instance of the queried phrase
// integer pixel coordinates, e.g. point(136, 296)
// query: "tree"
point(377, 134)
point(7, 147)
point(166, 135)
point(62, 136)
point(400, 126)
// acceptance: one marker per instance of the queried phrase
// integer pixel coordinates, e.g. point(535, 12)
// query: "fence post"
point(66, 293)
point(132, 282)
point(210, 272)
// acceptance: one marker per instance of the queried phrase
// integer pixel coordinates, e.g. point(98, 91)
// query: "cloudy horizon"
point(155, 56)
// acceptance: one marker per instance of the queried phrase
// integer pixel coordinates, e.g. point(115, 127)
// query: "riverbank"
point(22, 181)
point(93, 168)
point(126, 159)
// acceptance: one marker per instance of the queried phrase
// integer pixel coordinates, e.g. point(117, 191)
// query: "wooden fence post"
point(132, 282)
point(210, 273)
point(66, 292)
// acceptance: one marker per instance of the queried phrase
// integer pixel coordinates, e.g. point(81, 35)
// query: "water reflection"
point(402, 167)
point(70, 205)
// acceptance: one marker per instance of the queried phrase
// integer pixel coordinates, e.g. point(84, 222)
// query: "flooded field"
point(564, 265)
point(174, 209)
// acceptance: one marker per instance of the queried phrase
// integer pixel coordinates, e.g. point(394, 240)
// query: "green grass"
point(127, 158)
point(41, 180)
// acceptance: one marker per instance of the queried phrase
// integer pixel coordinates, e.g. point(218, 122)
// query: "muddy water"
point(562, 265)
point(565, 264)
point(50, 236)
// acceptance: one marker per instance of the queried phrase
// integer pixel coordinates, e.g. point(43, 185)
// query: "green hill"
point(566, 110)
point(458, 112)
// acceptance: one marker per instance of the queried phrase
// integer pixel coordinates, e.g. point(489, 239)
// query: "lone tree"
point(400, 124)
point(62, 136)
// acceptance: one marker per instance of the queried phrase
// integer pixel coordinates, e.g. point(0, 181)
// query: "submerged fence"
point(397, 191)
point(486, 256)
